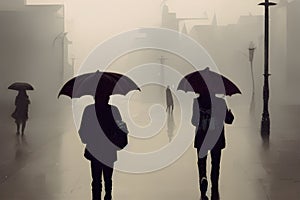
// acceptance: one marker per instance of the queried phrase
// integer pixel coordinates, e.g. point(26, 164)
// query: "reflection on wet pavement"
point(47, 163)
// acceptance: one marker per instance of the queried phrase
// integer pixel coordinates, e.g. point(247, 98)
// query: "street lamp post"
point(162, 60)
point(251, 56)
point(265, 122)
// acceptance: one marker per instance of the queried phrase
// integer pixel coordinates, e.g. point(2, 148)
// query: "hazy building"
point(169, 19)
point(293, 48)
point(278, 50)
point(284, 48)
point(228, 46)
point(33, 49)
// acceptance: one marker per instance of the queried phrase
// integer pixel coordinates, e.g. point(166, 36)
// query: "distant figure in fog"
point(169, 100)
point(207, 124)
point(101, 126)
point(21, 112)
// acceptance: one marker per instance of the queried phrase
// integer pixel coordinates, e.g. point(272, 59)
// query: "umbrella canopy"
point(20, 86)
point(98, 82)
point(206, 81)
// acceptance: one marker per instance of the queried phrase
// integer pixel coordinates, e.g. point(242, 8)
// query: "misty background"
point(45, 42)
point(61, 34)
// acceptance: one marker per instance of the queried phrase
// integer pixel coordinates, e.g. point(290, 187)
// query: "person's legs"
point(18, 127)
point(202, 175)
point(96, 169)
point(23, 126)
point(107, 174)
point(215, 172)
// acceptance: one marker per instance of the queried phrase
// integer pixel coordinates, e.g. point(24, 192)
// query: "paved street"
point(47, 163)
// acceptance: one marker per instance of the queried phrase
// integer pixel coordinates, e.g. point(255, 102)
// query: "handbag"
point(120, 136)
point(229, 117)
point(88, 155)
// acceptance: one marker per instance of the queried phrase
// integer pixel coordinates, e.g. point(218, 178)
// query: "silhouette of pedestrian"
point(100, 123)
point(101, 128)
point(21, 112)
point(206, 124)
point(169, 100)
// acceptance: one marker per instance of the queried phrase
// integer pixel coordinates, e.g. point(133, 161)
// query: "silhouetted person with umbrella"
point(21, 102)
point(21, 112)
point(96, 131)
point(210, 113)
point(207, 124)
point(102, 128)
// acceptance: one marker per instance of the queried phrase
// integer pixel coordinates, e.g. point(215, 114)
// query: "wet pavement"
point(47, 163)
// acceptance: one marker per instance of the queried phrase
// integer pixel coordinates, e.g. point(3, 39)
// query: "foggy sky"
point(150, 8)
point(89, 22)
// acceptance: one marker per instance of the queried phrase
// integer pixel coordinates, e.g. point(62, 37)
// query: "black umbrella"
point(206, 81)
point(20, 86)
point(98, 82)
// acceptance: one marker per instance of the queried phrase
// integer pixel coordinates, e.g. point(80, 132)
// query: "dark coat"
point(21, 111)
point(97, 134)
point(202, 116)
point(169, 98)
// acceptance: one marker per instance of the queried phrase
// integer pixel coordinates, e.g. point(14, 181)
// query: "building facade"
point(33, 49)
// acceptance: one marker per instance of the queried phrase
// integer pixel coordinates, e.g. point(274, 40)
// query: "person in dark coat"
point(169, 100)
point(21, 112)
point(207, 126)
point(98, 125)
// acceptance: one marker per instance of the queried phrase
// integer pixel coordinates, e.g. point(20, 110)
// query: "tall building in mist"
point(285, 45)
point(278, 49)
point(169, 19)
point(293, 48)
point(33, 49)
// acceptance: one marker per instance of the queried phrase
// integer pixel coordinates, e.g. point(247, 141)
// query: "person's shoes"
point(18, 133)
point(203, 186)
point(108, 197)
point(204, 198)
point(215, 194)
point(96, 198)
point(96, 195)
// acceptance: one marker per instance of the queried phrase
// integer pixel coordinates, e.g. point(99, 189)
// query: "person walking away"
point(21, 111)
point(203, 121)
point(100, 123)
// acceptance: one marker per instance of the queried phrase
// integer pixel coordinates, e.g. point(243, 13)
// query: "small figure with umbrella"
point(102, 128)
point(210, 112)
point(169, 100)
point(21, 102)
